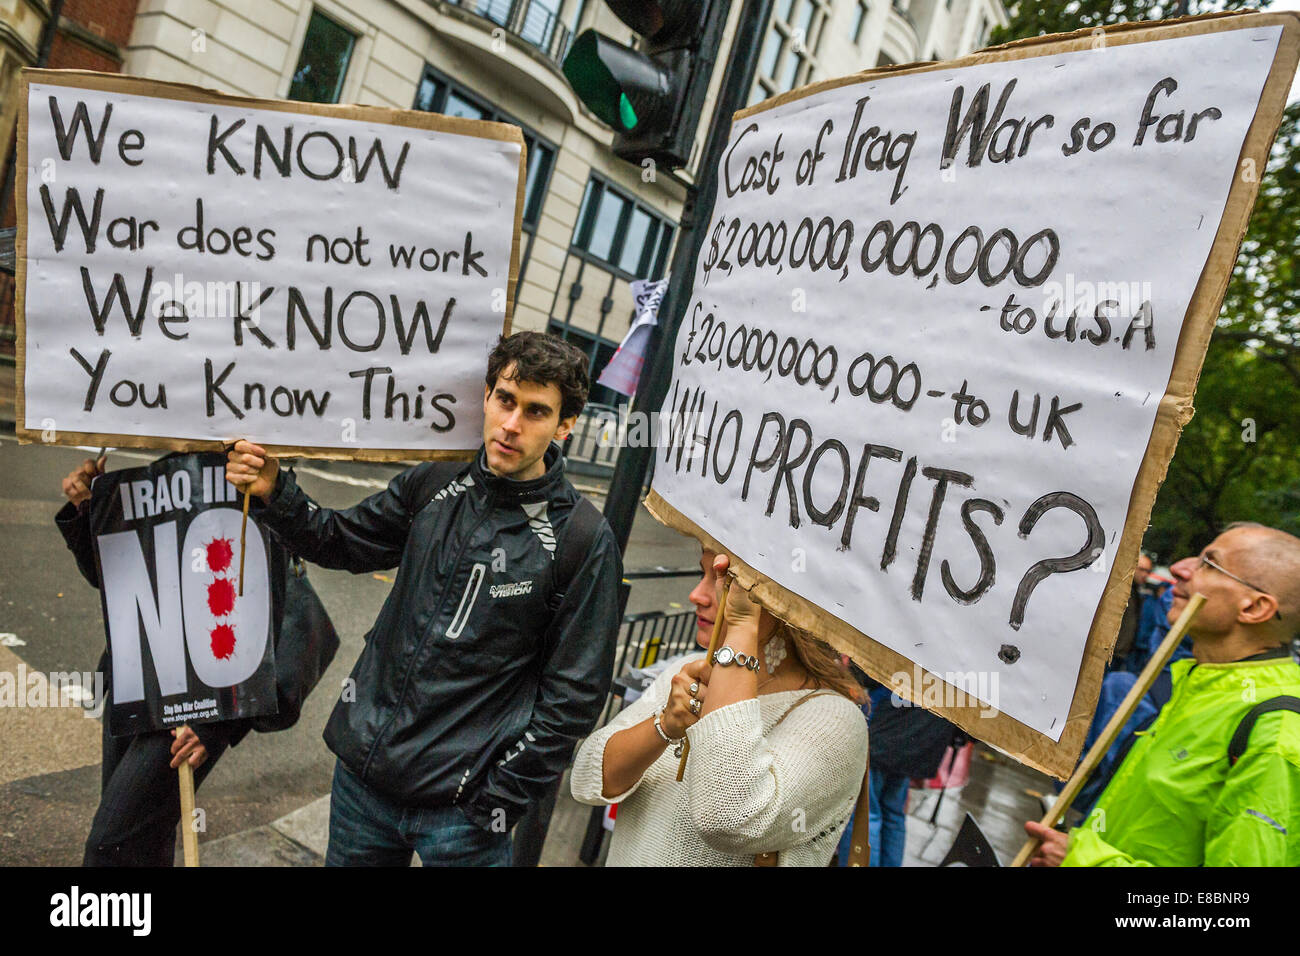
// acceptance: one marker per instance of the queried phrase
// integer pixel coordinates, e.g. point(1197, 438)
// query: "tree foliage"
point(1239, 457)
point(1054, 16)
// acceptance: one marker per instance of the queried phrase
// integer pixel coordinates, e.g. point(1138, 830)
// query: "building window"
point(323, 63)
point(438, 94)
point(787, 57)
point(599, 350)
point(618, 232)
point(859, 20)
point(458, 105)
point(884, 60)
point(579, 9)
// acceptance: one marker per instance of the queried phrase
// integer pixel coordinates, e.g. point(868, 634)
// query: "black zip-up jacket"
point(469, 691)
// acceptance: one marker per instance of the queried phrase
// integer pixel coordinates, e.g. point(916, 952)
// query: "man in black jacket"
point(483, 668)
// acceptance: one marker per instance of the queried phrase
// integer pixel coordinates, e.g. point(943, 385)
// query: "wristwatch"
point(726, 655)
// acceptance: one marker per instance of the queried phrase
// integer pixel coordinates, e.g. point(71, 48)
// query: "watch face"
point(725, 656)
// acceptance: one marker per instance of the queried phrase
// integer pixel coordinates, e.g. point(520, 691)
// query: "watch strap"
point(747, 661)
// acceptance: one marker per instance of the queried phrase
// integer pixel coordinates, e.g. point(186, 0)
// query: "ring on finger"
point(695, 706)
point(695, 687)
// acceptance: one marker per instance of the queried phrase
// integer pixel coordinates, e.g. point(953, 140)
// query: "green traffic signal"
point(588, 71)
point(622, 87)
point(652, 97)
point(625, 112)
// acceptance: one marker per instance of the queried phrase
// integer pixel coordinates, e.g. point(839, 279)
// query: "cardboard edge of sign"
point(1025, 744)
point(185, 92)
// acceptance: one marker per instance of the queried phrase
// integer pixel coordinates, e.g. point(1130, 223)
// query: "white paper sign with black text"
point(202, 270)
point(929, 333)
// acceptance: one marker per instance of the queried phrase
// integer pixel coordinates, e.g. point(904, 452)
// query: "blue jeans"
point(367, 829)
point(886, 821)
point(888, 818)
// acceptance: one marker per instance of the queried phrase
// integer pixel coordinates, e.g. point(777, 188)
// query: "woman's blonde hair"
point(820, 661)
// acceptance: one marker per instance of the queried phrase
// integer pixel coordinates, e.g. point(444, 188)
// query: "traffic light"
point(652, 97)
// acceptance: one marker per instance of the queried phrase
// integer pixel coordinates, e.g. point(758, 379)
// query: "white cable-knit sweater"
point(748, 788)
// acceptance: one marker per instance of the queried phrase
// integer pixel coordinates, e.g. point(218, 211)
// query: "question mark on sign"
point(1048, 566)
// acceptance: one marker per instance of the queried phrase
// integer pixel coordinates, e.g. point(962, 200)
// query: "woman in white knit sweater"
point(763, 776)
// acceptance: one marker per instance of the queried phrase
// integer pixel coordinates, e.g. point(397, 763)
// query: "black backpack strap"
point(1241, 737)
point(574, 545)
point(436, 476)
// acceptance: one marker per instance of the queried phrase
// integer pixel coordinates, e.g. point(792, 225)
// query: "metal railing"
point(533, 21)
point(593, 444)
point(8, 321)
point(647, 638)
point(7, 252)
point(901, 9)
point(654, 635)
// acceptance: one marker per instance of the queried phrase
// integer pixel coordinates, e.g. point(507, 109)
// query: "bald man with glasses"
point(1215, 780)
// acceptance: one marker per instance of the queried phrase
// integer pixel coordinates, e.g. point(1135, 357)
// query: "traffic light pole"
point(632, 464)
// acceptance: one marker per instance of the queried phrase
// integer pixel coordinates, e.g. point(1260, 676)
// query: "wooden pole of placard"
point(1145, 679)
point(189, 838)
point(243, 531)
point(718, 623)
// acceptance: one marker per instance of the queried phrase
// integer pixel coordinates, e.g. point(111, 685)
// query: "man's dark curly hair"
point(543, 360)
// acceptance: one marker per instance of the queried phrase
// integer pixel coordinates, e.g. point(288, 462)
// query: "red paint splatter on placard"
point(220, 553)
point(221, 597)
point(223, 641)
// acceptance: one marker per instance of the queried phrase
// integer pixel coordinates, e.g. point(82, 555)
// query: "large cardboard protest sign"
point(944, 332)
point(186, 646)
point(195, 267)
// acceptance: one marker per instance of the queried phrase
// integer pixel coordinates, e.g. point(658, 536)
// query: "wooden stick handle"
point(243, 532)
point(189, 838)
point(1148, 676)
point(719, 622)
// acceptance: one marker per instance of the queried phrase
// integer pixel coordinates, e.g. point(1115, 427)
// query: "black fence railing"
point(7, 260)
point(653, 636)
point(533, 21)
point(593, 444)
point(8, 321)
point(645, 639)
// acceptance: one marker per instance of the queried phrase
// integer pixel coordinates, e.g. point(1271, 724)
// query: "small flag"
point(624, 369)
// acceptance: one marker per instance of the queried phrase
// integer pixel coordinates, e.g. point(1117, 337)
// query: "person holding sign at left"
point(139, 804)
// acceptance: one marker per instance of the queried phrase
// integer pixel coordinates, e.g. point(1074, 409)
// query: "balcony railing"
point(900, 7)
point(533, 21)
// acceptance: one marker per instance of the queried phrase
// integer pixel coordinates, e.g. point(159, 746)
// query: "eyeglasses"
point(1206, 562)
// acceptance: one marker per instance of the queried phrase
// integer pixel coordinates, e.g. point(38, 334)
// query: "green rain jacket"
point(1175, 801)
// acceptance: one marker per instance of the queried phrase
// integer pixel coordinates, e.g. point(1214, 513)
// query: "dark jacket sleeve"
point(221, 732)
point(570, 693)
point(74, 524)
point(367, 537)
